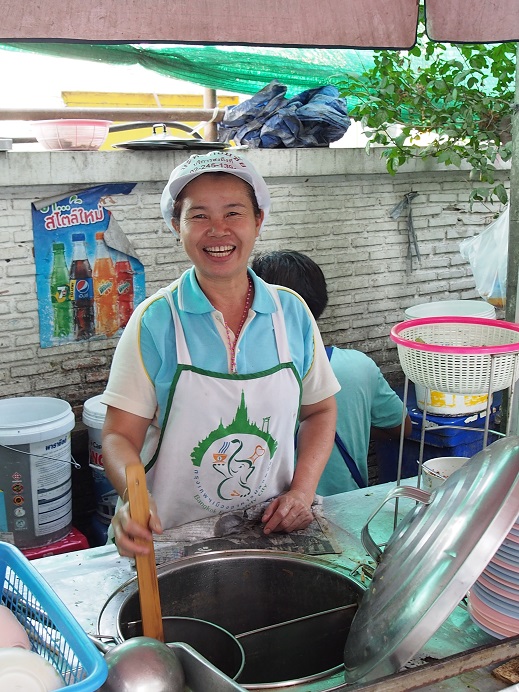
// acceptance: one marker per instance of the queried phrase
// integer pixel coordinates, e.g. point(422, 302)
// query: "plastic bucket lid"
point(451, 308)
point(32, 419)
point(94, 412)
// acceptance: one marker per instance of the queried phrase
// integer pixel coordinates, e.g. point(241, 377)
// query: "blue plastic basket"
point(53, 631)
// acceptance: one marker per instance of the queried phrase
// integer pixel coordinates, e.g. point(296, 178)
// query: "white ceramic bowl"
point(443, 466)
point(12, 632)
point(27, 671)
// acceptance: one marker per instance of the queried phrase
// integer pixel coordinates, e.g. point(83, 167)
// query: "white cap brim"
point(213, 162)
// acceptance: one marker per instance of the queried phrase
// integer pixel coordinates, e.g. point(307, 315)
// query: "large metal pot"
point(247, 592)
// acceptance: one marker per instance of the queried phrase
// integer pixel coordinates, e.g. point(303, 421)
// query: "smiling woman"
point(214, 374)
point(218, 224)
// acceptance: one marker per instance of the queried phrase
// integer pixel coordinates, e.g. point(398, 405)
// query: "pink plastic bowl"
point(71, 135)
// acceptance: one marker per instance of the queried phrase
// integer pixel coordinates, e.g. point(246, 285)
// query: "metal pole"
point(152, 115)
point(513, 237)
point(512, 301)
point(210, 101)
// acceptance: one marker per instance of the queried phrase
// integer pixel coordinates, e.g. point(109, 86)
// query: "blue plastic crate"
point(53, 632)
point(440, 439)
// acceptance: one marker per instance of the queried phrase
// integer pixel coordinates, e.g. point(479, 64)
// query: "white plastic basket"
point(459, 355)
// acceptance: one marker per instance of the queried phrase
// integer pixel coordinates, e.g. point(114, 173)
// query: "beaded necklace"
point(232, 344)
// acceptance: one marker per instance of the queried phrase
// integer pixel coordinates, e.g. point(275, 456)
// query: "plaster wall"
point(333, 204)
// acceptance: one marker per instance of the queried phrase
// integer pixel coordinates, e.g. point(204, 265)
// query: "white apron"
point(227, 440)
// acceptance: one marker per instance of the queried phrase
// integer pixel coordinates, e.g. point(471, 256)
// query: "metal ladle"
point(141, 664)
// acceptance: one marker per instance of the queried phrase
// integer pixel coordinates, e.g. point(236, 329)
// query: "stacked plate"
point(493, 601)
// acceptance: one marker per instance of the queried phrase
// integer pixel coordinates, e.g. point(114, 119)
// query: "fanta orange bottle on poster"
point(105, 292)
point(124, 283)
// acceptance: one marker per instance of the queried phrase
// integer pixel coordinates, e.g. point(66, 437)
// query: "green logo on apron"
point(234, 452)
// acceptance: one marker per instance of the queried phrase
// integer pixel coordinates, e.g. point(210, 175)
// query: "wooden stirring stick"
point(146, 568)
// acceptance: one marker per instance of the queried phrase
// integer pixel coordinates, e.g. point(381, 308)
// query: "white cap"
point(213, 162)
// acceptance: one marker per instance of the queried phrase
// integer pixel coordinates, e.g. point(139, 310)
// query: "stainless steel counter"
point(85, 579)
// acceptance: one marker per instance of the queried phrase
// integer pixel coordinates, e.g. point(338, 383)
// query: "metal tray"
point(200, 675)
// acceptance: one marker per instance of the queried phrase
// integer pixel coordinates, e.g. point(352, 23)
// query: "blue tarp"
point(269, 120)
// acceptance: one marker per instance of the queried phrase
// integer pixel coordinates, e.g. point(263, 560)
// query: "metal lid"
point(433, 557)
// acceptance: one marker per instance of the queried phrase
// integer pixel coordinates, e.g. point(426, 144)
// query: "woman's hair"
point(177, 205)
point(296, 271)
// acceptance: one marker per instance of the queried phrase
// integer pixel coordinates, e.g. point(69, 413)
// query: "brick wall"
point(333, 204)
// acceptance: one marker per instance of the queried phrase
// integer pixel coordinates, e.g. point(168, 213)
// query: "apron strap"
point(348, 459)
point(278, 321)
point(183, 357)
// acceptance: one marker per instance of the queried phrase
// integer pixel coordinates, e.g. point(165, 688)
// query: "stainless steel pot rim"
point(110, 616)
point(124, 591)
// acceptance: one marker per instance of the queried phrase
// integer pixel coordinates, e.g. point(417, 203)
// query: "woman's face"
point(217, 224)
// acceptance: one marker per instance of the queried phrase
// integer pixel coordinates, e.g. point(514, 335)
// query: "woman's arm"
point(315, 438)
point(122, 440)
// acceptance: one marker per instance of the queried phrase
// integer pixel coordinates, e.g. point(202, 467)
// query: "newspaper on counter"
point(241, 530)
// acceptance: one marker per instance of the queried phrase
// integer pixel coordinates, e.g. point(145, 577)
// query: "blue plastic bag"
point(268, 120)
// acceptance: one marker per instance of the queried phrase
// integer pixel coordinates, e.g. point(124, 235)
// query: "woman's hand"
point(288, 512)
point(130, 537)
point(292, 510)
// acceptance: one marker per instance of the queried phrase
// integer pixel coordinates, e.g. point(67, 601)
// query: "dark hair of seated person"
point(296, 271)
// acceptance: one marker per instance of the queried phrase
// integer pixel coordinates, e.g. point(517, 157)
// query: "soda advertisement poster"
point(88, 279)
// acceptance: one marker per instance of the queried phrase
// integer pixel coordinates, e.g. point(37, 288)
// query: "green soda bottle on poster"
point(60, 293)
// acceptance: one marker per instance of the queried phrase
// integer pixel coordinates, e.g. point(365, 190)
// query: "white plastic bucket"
point(35, 470)
point(444, 403)
point(94, 413)
point(452, 308)
point(440, 466)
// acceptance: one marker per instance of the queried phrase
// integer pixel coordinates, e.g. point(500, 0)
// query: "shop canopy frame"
point(327, 23)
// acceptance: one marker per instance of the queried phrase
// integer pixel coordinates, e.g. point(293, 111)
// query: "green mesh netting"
point(237, 69)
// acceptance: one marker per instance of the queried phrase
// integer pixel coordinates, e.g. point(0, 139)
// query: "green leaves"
point(452, 103)
point(500, 192)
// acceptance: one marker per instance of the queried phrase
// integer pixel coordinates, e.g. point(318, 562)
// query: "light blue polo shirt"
point(365, 400)
point(257, 348)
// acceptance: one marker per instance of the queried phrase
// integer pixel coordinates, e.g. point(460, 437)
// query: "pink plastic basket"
point(71, 135)
point(458, 355)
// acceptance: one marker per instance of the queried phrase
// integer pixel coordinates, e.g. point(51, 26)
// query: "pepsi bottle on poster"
point(81, 290)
